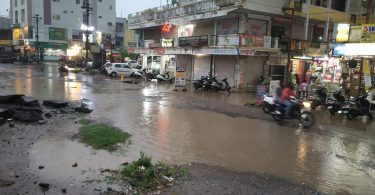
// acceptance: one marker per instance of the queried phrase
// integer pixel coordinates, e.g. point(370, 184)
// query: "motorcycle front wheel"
point(307, 119)
point(351, 115)
point(266, 107)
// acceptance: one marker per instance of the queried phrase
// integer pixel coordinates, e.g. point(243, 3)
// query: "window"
point(100, 17)
point(22, 2)
point(118, 66)
point(22, 15)
point(126, 66)
point(109, 23)
point(65, 12)
point(110, 7)
point(78, 1)
point(57, 1)
point(16, 17)
point(15, 3)
point(72, 12)
point(56, 17)
point(100, 1)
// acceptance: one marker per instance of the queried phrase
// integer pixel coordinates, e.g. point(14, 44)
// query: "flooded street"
point(334, 157)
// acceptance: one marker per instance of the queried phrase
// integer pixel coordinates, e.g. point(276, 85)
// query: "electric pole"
point(37, 18)
point(88, 11)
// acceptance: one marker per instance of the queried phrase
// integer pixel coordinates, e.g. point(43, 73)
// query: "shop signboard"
point(355, 34)
point(180, 80)
point(342, 32)
point(167, 42)
point(58, 34)
point(273, 87)
point(354, 49)
point(368, 33)
point(260, 92)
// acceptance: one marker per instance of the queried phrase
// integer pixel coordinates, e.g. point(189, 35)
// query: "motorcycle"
point(305, 118)
point(337, 104)
point(199, 83)
point(360, 106)
point(63, 69)
point(224, 86)
point(318, 98)
point(207, 83)
point(164, 77)
point(269, 104)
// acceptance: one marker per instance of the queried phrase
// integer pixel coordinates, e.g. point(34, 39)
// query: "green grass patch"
point(85, 122)
point(102, 136)
point(144, 176)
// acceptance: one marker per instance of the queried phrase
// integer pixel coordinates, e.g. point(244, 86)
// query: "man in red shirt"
point(285, 98)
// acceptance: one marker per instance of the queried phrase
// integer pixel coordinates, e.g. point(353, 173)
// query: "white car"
point(134, 63)
point(120, 69)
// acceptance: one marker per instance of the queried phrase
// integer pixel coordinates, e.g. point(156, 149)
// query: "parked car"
point(134, 64)
point(120, 69)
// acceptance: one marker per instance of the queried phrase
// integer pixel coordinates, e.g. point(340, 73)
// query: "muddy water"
point(330, 158)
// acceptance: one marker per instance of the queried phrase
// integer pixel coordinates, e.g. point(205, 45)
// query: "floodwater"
point(334, 157)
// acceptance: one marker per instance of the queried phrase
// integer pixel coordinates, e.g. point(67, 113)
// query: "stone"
point(55, 103)
point(41, 167)
point(48, 115)
point(63, 190)
point(75, 165)
point(44, 186)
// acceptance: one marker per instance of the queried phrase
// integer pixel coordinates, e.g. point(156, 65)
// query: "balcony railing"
point(232, 40)
point(194, 41)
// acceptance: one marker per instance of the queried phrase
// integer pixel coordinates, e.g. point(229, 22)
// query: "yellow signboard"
point(342, 32)
point(368, 33)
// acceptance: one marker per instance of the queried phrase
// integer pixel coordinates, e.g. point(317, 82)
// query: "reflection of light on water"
point(72, 89)
point(301, 153)
point(163, 126)
point(146, 91)
point(146, 109)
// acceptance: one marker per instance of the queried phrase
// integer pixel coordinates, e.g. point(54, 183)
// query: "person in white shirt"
point(371, 97)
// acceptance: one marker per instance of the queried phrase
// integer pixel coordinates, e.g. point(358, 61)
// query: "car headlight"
point(307, 104)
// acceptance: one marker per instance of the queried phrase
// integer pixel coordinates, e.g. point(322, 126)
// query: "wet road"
point(334, 157)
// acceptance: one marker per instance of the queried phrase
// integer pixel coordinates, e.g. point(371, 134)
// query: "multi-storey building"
point(62, 24)
point(242, 40)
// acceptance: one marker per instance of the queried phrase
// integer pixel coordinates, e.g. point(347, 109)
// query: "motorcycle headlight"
point(66, 67)
point(307, 104)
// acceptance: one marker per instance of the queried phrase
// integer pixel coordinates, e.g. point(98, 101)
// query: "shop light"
point(302, 57)
point(200, 54)
point(89, 28)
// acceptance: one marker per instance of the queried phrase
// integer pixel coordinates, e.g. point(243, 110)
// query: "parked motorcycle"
point(337, 104)
point(140, 74)
point(221, 86)
point(164, 77)
point(305, 118)
point(318, 98)
point(360, 107)
point(63, 69)
point(200, 83)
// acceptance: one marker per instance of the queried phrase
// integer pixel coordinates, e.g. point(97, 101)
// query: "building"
point(62, 24)
point(129, 36)
point(5, 31)
point(241, 40)
point(228, 38)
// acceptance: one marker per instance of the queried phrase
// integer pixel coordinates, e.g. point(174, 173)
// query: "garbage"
point(44, 186)
point(55, 103)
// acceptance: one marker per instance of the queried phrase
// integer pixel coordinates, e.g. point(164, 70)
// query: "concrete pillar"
point(347, 9)
point(326, 29)
point(307, 20)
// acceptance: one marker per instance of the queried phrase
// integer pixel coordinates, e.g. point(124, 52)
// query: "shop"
point(357, 62)
point(51, 51)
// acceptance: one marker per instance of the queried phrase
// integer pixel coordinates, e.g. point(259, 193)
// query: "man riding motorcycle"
point(285, 99)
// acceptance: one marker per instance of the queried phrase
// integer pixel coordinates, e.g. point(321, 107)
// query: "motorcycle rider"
point(285, 98)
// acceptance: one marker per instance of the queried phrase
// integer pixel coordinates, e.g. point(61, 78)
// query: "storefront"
point(357, 61)
point(51, 51)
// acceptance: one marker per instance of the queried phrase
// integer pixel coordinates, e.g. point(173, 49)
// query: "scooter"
point(140, 74)
point(305, 118)
point(224, 86)
point(360, 107)
point(164, 77)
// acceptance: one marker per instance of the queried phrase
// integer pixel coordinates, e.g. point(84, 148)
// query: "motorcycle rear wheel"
point(307, 119)
point(351, 115)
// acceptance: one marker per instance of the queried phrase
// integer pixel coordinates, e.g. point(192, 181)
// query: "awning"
point(62, 46)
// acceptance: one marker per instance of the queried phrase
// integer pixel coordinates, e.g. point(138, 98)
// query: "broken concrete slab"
point(25, 115)
point(10, 98)
point(55, 103)
point(83, 110)
point(29, 101)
